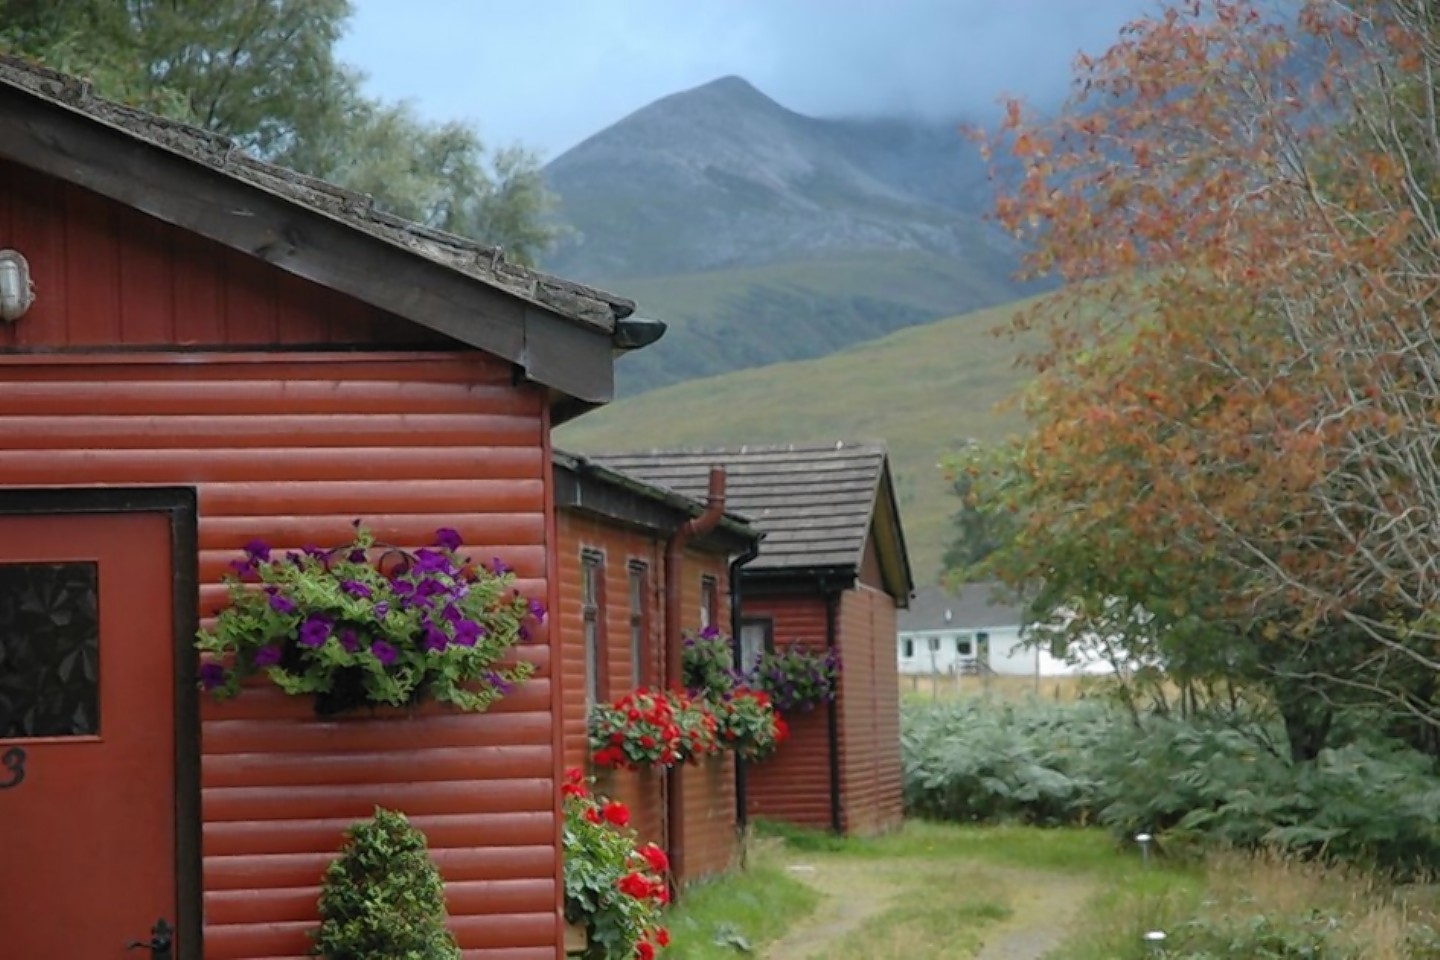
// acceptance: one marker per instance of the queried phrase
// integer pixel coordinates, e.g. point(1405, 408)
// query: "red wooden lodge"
point(830, 573)
point(219, 350)
point(638, 566)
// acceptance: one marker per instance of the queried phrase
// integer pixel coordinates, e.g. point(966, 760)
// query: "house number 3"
point(13, 763)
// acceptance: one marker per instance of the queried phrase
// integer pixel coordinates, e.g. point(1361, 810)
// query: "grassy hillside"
point(734, 319)
point(923, 390)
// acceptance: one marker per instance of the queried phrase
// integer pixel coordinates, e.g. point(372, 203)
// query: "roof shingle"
point(814, 502)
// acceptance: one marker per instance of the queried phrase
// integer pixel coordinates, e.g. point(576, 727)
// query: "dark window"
point(709, 602)
point(639, 622)
point(934, 644)
point(592, 603)
point(757, 636)
point(962, 646)
point(909, 649)
point(49, 650)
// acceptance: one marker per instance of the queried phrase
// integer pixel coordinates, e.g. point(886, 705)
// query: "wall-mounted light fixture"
point(16, 292)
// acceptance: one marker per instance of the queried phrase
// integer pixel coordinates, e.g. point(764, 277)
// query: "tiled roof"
point(814, 503)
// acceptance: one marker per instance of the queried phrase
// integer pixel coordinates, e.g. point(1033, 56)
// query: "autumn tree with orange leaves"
point(1238, 412)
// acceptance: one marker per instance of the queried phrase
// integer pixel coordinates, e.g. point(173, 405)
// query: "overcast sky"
point(548, 73)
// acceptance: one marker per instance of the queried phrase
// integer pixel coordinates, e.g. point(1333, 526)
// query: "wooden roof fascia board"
point(590, 488)
point(76, 147)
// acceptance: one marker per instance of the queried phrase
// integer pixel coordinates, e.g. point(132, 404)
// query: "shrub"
point(976, 760)
point(796, 679)
point(335, 624)
point(1194, 782)
point(383, 897)
point(747, 723)
point(613, 888)
point(651, 728)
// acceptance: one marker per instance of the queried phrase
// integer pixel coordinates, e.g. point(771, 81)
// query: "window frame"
point(638, 577)
point(709, 601)
point(592, 618)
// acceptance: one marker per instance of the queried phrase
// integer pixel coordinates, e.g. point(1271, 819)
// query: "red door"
point(87, 744)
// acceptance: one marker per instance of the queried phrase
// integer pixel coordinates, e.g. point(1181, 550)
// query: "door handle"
point(162, 938)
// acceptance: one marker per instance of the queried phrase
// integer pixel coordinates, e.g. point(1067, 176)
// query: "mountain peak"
point(732, 91)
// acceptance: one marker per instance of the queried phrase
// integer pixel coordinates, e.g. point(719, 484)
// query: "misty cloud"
point(550, 73)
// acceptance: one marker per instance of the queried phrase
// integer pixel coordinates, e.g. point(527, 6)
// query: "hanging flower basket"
point(746, 722)
point(796, 679)
point(363, 626)
point(651, 728)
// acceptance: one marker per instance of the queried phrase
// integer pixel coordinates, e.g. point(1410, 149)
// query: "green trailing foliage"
point(1195, 783)
point(383, 897)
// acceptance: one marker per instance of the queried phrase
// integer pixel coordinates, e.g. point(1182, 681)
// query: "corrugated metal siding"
point(869, 712)
point(793, 785)
point(290, 448)
point(107, 275)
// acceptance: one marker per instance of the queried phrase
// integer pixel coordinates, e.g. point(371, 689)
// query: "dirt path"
point(852, 892)
point(1044, 908)
point(1043, 913)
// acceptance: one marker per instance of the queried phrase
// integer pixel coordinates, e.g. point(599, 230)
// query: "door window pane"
point(49, 650)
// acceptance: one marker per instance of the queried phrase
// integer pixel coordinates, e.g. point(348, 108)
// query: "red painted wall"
point(709, 790)
point(869, 712)
point(793, 785)
point(289, 447)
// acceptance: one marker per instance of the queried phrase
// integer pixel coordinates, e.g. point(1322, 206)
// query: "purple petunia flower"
point(267, 656)
point(281, 603)
point(537, 610)
point(357, 555)
point(468, 633)
point(429, 587)
point(315, 630)
point(449, 538)
point(212, 675)
point(500, 684)
point(709, 633)
point(350, 640)
point(524, 633)
point(258, 551)
point(500, 567)
point(356, 589)
point(436, 639)
point(382, 610)
point(430, 561)
point(452, 613)
point(383, 652)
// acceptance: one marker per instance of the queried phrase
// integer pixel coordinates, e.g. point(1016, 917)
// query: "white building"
point(969, 631)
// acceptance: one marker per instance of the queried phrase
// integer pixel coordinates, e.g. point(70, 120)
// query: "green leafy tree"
point(980, 478)
point(264, 73)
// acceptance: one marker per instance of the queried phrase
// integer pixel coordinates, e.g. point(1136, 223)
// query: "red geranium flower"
point(662, 937)
point(655, 857)
point(644, 951)
point(617, 814)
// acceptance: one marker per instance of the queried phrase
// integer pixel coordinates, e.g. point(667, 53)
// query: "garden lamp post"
point(1144, 840)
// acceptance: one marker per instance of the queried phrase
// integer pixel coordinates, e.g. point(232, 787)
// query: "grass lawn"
point(934, 891)
point(927, 891)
